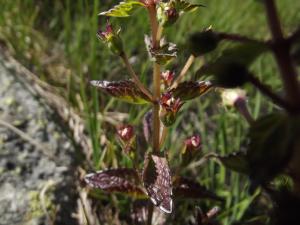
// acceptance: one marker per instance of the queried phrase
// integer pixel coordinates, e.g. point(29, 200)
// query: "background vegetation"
point(57, 41)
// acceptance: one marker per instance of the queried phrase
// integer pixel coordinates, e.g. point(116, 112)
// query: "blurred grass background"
point(57, 41)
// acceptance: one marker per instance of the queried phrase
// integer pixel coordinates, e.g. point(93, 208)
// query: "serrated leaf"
point(187, 188)
point(235, 161)
point(185, 6)
point(242, 54)
point(157, 181)
point(122, 180)
point(270, 146)
point(125, 90)
point(123, 9)
point(190, 89)
point(162, 55)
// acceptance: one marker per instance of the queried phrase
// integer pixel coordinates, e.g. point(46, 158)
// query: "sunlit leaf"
point(191, 89)
point(125, 90)
point(122, 180)
point(157, 181)
point(123, 9)
point(162, 55)
point(185, 6)
point(191, 189)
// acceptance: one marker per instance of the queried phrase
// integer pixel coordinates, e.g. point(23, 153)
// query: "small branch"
point(183, 72)
point(150, 213)
point(241, 106)
point(163, 136)
point(281, 50)
point(237, 38)
point(135, 77)
point(264, 89)
point(273, 20)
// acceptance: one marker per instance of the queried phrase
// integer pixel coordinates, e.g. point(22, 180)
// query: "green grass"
point(65, 31)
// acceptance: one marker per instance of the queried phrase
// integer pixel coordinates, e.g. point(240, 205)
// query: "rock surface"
point(37, 157)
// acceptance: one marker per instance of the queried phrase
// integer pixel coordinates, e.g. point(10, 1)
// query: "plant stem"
point(135, 77)
point(241, 106)
point(264, 89)
point(183, 72)
point(150, 213)
point(156, 78)
point(163, 136)
point(281, 50)
point(237, 38)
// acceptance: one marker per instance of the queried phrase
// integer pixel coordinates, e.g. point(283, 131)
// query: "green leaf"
point(190, 89)
point(164, 54)
point(125, 90)
point(188, 188)
point(123, 9)
point(184, 6)
point(271, 140)
point(235, 161)
point(242, 54)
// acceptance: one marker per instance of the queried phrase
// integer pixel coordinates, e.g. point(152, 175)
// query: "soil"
point(37, 157)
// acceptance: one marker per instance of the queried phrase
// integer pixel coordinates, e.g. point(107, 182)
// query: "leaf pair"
point(162, 55)
point(125, 90)
point(123, 9)
point(272, 140)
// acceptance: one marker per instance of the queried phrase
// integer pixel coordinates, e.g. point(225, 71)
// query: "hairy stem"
point(156, 78)
point(264, 89)
point(281, 50)
point(237, 38)
point(183, 72)
point(135, 77)
point(163, 136)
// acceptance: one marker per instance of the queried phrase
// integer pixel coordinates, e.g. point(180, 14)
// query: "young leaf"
point(123, 9)
point(157, 181)
point(187, 188)
point(190, 89)
point(125, 90)
point(271, 140)
point(162, 55)
point(122, 180)
point(184, 6)
point(236, 161)
point(231, 68)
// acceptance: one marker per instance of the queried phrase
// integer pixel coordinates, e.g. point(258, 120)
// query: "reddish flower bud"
point(193, 143)
point(149, 3)
point(168, 77)
point(170, 108)
point(111, 39)
point(126, 132)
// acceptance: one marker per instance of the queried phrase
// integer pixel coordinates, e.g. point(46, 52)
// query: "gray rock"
point(37, 157)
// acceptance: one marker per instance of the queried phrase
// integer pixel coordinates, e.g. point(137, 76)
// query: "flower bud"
point(167, 15)
point(168, 77)
point(231, 75)
point(126, 132)
point(193, 143)
point(170, 107)
point(111, 39)
point(231, 97)
point(191, 149)
point(203, 42)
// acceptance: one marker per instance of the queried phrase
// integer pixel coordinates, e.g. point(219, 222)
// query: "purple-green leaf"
point(125, 90)
point(122, 180)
